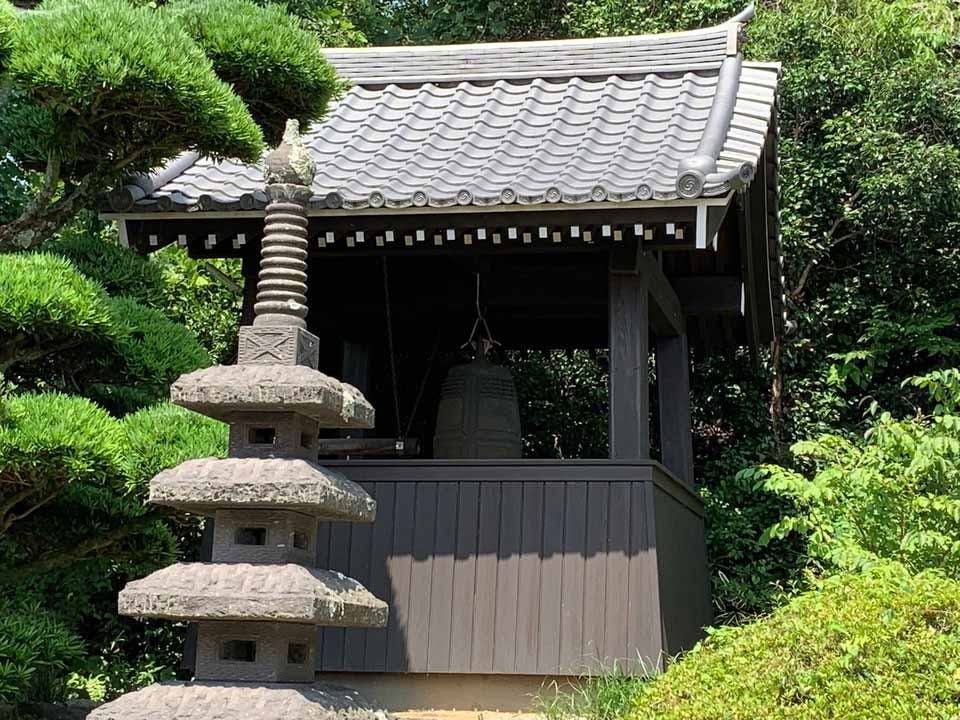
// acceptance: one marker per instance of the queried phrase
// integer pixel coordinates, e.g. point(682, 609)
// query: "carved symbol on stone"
point(265, 346)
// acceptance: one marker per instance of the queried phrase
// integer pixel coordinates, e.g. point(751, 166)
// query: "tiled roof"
point(616, 119)
point(673, 52)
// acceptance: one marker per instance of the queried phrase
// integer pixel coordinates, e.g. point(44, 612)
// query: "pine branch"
point(92, 547)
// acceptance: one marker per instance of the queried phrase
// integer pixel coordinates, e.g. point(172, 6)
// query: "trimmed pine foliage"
point(119, 82)
point(47, 305)
point(265, 56)
point(119, 271)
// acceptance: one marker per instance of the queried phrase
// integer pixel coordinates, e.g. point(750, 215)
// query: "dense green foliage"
point(73, 478)
point(94, 90)
point(893, 494)
point(74, 527)
point(119, 272)
point(263, 54)
point(562, 396)
point(121, 353)
point(36, 651)
point(152, 353)
point(430, 21)
point(339, 23)
point(8, 19)
point(204, 296)
point(48, 306)
point(877, 646)
point(163, 436)
point(49, 442)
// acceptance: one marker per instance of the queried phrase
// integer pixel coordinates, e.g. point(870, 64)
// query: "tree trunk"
point(44, 215)
point(776, 399)
point(37, 224)
point(98, 546)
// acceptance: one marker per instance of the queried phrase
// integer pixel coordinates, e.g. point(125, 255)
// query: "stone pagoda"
point(258, 603)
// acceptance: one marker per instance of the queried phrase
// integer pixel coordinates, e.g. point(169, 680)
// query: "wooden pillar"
point(356, 371)
point(250, 266)
point(673, 395)
point(629, 373)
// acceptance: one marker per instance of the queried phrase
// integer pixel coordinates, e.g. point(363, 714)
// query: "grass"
point(606, 696)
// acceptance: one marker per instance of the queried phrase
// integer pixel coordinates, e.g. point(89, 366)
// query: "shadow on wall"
point(528, 577)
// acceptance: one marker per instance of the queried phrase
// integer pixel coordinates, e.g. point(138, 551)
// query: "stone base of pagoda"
point(239, 701)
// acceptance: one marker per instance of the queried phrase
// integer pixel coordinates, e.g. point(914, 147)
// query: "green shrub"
point(120, 272)
point(165, 435)
point(150, 353)
point(59, 330)
point(208, 306)
point(48, 305)
point(8, 18)
point(48, 442)
point(74, 528)
point(892, 494)
point(883, 645)
point(36, 650)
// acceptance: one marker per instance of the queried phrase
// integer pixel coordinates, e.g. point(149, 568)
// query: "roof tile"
point(567, 121)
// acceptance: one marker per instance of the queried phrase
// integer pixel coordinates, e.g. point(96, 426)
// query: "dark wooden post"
point(629, 372)
point(250, 266)
point(673, 394)
point(356, 372)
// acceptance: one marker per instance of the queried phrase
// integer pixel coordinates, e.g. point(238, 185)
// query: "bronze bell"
point(479, 415)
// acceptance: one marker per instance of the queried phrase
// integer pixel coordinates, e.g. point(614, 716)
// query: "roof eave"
point(197, 214)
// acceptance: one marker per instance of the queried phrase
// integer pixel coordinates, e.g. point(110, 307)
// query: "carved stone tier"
point(233, 701)
point(209, 484)
point(222, 391)
point(277, 345)
point(243, 591)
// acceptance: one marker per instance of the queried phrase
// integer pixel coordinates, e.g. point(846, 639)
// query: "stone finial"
point(282, 286)
point(290, 162)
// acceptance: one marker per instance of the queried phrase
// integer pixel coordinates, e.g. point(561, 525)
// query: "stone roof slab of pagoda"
point(556, 123)
point(221, 391)
point(239, 701)
point(245, 591)
point(208, 484)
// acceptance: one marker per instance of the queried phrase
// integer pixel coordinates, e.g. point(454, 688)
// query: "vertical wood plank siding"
point(529, 567)
point(684, 576)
